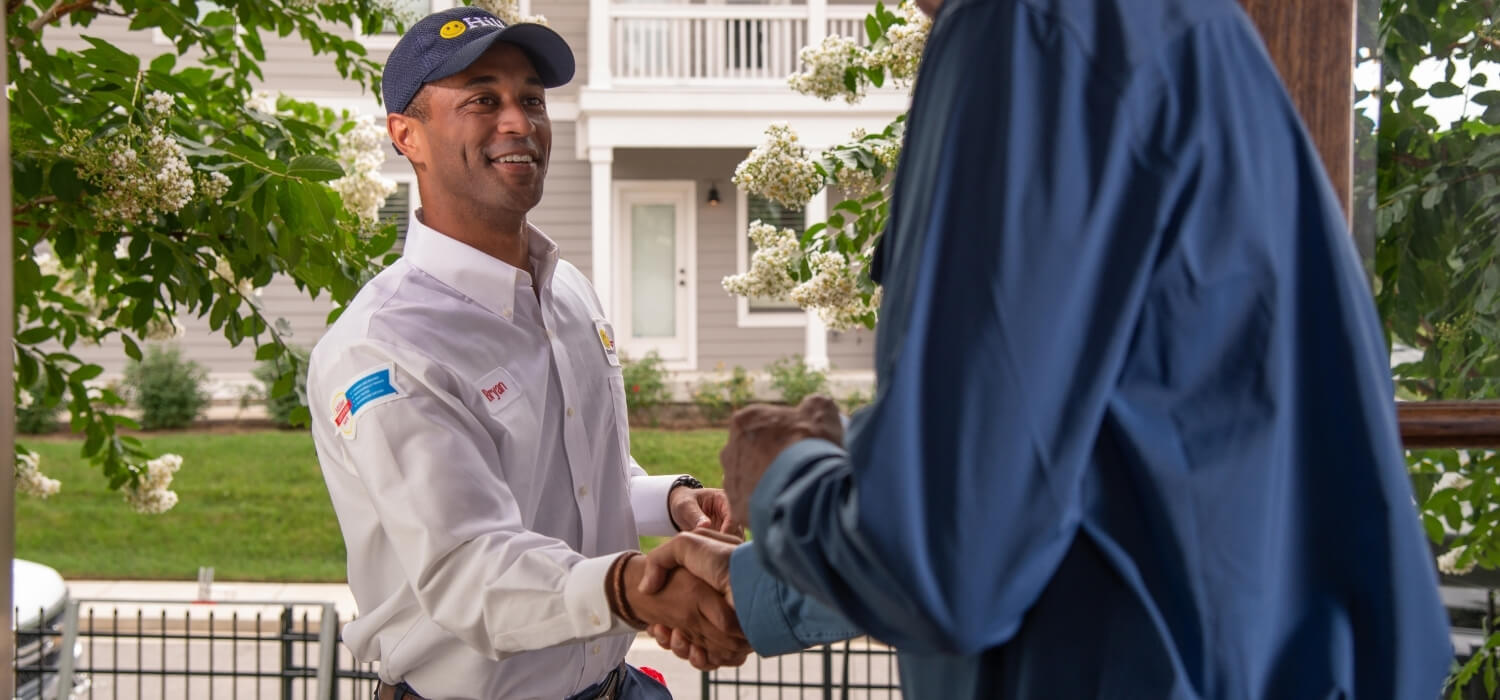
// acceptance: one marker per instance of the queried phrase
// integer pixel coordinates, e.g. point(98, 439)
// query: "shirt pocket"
point(508, 414)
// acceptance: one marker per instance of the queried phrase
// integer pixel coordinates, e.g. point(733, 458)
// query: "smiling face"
point(483, 137)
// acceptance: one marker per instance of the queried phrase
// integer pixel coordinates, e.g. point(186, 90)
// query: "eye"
point(533, 101)
point(486, 100)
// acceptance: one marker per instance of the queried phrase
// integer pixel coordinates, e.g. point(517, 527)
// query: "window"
point(759, 208)
point(398, 209)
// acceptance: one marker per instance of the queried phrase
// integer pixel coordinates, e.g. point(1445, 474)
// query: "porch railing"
point(704, 45)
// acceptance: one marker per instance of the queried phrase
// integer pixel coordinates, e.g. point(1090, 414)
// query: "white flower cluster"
point(1452, 480)
point(903, 53)
point(164, 328)
point(24, 399)
point(509, 11)
point(137, 185)
point(856, 183)
point(362, 187)
point(30, 480)
point(779, 169)
point(769, 276)
point(899, 55)
point(262, 101)
point(214, 186)
point(833, 292)
point(151, 495)
point(826, 65)
point(1448, 562)
point(223, 270)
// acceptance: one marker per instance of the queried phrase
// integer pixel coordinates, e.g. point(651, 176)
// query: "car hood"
point(38, 592)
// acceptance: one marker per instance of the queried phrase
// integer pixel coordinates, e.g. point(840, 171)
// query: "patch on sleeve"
point(370, 389)
point(607, 341)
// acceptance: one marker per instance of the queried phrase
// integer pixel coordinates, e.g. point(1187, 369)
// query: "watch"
point(684, 480)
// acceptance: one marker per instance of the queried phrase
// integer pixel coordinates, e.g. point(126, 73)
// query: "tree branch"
point(34, 203)
point(59, 9)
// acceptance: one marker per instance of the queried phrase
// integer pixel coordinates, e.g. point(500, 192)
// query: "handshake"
point(680, 592)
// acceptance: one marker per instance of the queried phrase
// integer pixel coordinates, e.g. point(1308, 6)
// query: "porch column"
point(599, 44)
point(815, 350)
point(1312, 44)
point(601, 197)
point(817, 21)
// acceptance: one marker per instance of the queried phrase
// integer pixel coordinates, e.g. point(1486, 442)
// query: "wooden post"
point(1312, 43)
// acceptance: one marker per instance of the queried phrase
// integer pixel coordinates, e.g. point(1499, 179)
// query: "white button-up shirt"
point(474, 441)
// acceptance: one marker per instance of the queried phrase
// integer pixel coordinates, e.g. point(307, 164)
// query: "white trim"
point(683, 193)
point(601, 238)
point(815, 347)
point(791, 318)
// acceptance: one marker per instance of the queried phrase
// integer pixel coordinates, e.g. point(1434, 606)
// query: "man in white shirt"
point(469, 413)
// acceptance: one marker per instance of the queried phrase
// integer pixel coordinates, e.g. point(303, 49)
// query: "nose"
point(515, 120)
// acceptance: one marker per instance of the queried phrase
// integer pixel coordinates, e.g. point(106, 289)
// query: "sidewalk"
point(684, 681)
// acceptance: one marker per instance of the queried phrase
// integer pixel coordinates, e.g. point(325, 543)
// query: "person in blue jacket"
point(1134, 434)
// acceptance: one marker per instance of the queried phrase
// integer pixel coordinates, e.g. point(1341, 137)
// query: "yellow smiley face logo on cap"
point(452, 29)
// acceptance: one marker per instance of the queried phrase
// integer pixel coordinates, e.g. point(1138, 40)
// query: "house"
point(668, 98)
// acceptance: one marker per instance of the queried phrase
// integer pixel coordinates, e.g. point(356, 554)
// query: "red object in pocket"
point(655, 675)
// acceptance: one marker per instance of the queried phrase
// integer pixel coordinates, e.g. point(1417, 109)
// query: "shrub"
point(796, 380)
point(34, 416)
point(717, 399)
point(645, 385)
point(854, 401)
point(167, 387)
point(279, 408)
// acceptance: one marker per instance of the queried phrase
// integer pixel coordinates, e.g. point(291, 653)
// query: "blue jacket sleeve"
point(776, 618)
point(1023, 228)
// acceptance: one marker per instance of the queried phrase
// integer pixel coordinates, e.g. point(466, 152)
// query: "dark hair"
point(417, 107)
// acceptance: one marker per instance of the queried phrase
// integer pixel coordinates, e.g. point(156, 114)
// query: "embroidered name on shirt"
point(495, 392)
point(370, 389)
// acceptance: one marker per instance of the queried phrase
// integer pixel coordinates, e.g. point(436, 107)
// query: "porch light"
point(713, 194)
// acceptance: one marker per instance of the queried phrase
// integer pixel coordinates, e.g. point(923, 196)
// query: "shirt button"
point(570, 411)
point(596, 650)
point(594, 620)
point(506, 313)
point(583, 492)
point(551, 335)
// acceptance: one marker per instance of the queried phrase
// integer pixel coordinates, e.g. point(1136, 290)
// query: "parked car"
point(39, 599)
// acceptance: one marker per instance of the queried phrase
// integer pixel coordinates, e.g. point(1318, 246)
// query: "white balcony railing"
point(704, 45)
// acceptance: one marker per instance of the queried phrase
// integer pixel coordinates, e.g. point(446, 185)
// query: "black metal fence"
point(171, 649)
point(859, 669)
point(121, 649)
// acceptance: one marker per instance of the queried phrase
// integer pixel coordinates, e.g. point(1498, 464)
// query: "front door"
point(656, 224)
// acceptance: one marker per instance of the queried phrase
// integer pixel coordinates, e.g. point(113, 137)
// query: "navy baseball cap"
point(444, 43)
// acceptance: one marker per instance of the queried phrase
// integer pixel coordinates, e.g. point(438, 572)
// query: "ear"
point(406, 132)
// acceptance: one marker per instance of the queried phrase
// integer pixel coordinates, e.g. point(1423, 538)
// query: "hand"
point(704, 553)
point(711, 635)
point(692, 509)
point(758, 434)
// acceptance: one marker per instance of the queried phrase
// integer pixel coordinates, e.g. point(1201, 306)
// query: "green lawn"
point(252, 505)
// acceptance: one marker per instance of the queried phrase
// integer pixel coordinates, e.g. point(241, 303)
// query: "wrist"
point(684, 481)
point(620, 583)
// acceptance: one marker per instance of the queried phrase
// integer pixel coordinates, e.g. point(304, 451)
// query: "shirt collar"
point(488, 281)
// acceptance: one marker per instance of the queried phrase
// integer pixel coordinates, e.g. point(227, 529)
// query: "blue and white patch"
point(370, 389)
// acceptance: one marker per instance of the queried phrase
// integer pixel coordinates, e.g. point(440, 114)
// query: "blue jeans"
point(634, 686)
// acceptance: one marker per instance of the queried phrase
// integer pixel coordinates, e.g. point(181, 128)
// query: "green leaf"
point(1432, 197)
point(65, 182)
point(38, 334)
point(85, 373)
point(269, 351)
point(1445, 89)
point(315, 168)
point(132, 349)
point(109, 57)
point(301, 417)
point(872, 28)
point(164, 63)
